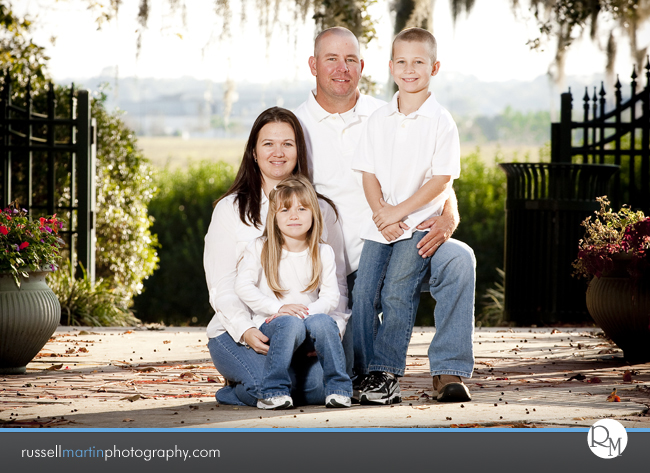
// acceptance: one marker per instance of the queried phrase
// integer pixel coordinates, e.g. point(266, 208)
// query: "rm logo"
point(607, 438)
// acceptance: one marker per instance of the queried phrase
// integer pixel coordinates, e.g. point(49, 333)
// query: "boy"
point(409, 155)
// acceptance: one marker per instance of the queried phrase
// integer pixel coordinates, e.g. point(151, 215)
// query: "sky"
point(489, 44)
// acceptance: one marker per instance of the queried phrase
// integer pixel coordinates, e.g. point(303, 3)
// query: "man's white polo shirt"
point(404, 152)
point(332, 140)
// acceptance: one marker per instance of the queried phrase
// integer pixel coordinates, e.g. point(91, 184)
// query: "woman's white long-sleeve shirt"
point(294, 275)
point(225, 242)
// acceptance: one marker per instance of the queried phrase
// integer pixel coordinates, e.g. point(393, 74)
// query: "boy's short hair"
point(419, 35)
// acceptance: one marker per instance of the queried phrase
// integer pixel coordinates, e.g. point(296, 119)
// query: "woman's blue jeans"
point(390, 276)
point(287, 334)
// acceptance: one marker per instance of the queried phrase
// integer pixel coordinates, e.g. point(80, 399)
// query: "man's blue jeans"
point(452, 284)
point(244, 368)
point(390, 276)
point(286, 334)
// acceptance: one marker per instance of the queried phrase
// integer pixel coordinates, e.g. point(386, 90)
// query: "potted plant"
point(29, 310)
point(615, 254)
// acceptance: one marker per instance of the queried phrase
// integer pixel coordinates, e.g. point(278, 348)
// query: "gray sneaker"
point(277, 402)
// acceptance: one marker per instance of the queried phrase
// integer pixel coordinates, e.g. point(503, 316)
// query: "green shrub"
point(182, 209)
point(126, 247)
point(88, 304)
point(481, 192)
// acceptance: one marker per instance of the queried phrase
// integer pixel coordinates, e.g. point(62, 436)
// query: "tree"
point(559, 21)
point(126, 251)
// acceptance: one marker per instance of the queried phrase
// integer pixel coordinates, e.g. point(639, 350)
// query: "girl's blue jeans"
point(287, 334)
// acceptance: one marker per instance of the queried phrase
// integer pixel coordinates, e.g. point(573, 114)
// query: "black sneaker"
point(357, 386)
point(380, 388)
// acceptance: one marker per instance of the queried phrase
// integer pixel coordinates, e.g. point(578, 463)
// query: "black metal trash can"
point(545, 204)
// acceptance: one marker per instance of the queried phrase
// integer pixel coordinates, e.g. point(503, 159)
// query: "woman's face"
point(276, 152)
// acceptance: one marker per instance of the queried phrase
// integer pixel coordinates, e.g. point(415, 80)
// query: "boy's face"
point(412, 67)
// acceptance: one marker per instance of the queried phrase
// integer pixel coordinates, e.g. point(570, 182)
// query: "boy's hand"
point(297, 310)
point(394, 231)
point(387, 215)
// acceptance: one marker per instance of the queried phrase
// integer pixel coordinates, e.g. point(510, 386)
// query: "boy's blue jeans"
point(287, 333)
point(383, 346)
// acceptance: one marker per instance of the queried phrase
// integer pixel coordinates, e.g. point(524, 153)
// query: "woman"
point(275, 150)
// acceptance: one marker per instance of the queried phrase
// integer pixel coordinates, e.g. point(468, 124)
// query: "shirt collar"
point(362, 108)
point(427, 109)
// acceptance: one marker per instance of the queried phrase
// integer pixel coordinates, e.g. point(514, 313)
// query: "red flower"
point(3, 230)
point(23, 245)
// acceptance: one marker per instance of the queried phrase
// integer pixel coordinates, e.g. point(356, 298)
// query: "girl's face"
point(294, 222)
point(276, 152)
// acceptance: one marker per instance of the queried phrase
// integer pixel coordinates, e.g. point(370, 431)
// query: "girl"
point(288, 279)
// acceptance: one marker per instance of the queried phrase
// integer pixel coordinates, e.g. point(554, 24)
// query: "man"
point(333, 118)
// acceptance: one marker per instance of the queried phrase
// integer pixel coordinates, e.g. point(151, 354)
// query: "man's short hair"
point(337, 30)
point(419, 35)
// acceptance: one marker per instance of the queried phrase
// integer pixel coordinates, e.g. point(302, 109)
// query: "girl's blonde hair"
point(279, 198)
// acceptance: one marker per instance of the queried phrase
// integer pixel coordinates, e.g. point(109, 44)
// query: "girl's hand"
point(394, 231)
point(256, 340)
point(297, 310)
point(387, 215)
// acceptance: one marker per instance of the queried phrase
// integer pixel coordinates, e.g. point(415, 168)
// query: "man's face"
point(337, 66)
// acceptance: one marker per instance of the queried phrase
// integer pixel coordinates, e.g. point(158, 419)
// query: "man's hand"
point(394, 231)
point(256, 340)
point(386, 215)
point(441, 229)
point(297, 310)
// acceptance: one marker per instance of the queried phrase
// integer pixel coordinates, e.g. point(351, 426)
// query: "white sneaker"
point(337, 400)
point(277, 402)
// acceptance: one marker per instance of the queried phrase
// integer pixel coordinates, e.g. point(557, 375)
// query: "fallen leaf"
point(627, 376)
point(70, 351)
point(410, 398)
point(135, 397)
point(421, 407)
point(613, 397)
point(594, 380)
point(213, 380)
point(166, 341)
point(83, 350)
point(577, 377)
point(127, 332)
point(187, 374)
point(55, 367)
point(127, 420)
point(148, 369)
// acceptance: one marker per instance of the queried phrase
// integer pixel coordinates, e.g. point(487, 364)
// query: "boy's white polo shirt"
point(404, 152)
point(332, 140)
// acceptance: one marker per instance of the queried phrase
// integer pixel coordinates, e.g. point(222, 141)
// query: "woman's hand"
point(297, 310)
point(256, 340)
point(387, 215)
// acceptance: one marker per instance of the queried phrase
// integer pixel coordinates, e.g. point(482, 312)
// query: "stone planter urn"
point(620, 305)
point(29, 316)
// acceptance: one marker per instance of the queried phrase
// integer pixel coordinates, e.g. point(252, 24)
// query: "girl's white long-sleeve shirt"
point(294, 274)
point(225, 242)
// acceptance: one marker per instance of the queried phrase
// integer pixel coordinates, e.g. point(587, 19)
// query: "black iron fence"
point(546, 202)
point(48, 163)
point(620, 136)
